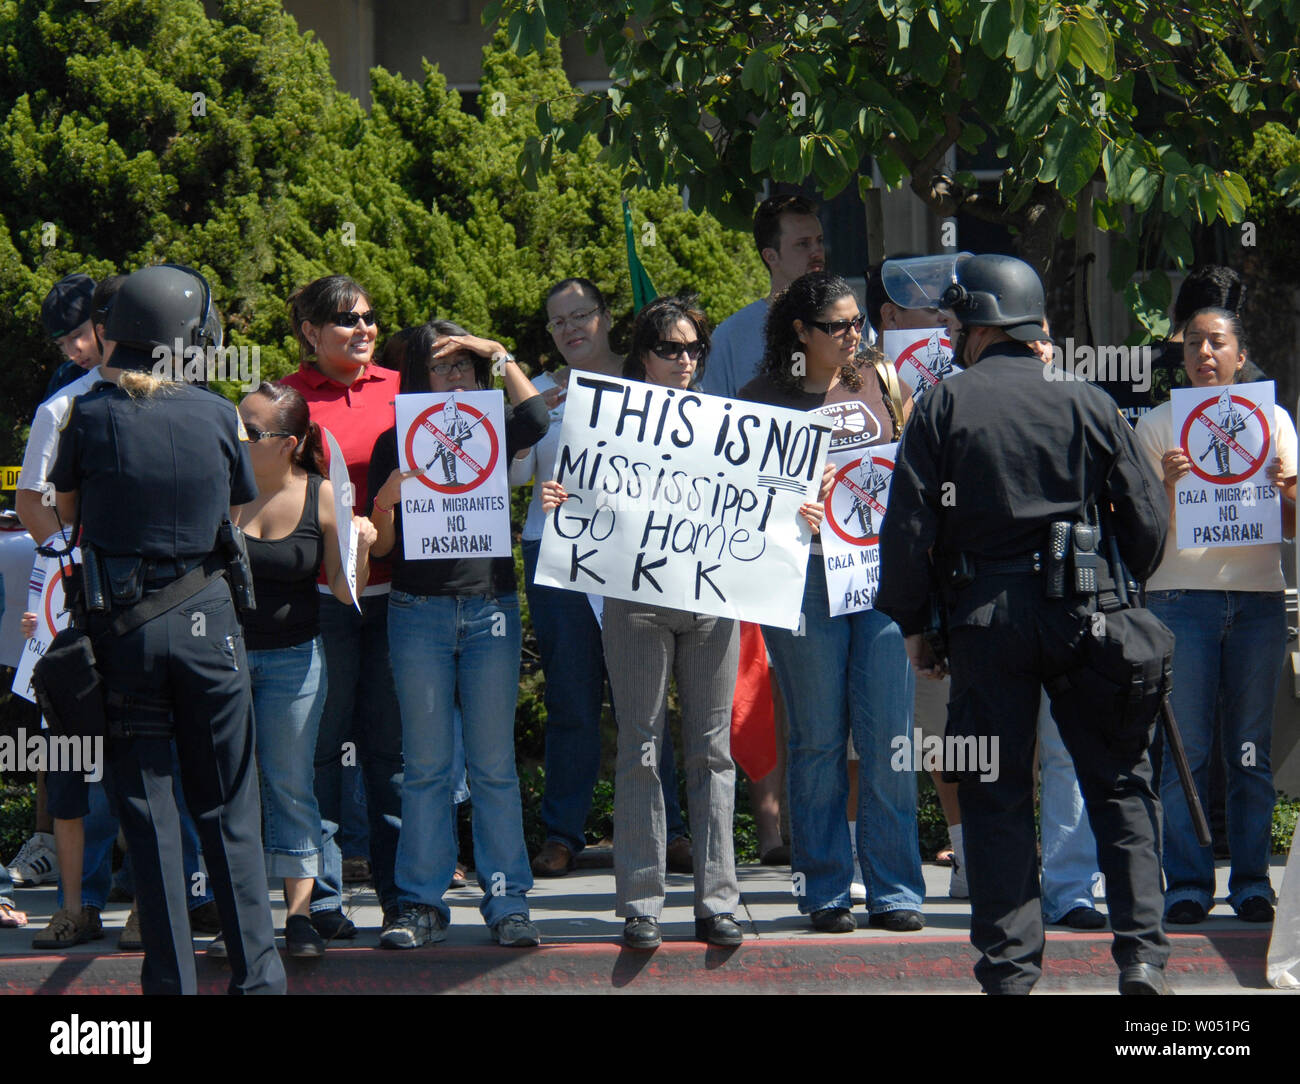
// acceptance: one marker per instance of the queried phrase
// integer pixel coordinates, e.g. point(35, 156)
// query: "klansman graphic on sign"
point(1227, 434)
point(459, 504)
point(851, 533)
point(922, 356)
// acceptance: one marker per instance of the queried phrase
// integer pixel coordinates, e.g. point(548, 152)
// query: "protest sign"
point(851, 531)
point(683, 500)
point(458, 506)
point(344, 499)
point(1227, 434)
point(45, 599)
point(922, 356)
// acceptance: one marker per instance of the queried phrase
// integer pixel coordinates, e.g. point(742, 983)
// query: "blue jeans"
point(443, 645)
point(288, 697)
point(573, 660)
point(1069, 848)
point(361, 707)
point(1229, 647)
point(353, 836)
point(848, 674)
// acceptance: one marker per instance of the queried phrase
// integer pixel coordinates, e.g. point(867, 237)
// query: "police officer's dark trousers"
point(1007, 641)
point(192, 656)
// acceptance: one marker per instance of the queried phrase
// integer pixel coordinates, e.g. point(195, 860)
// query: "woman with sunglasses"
point(845, 675)
point(645, 647)
point(292, 537)
point(351, 397)
point(455, 633)
point(568, 636)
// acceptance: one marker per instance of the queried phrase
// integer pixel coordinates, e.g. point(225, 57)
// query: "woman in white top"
point(1226, 608)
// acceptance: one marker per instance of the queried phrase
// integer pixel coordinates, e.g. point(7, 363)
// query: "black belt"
point(1027, 564)
point(160, 572)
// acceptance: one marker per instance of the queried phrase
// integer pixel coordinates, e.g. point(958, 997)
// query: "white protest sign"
point(922, 356)
point(345, 498)
point(683, 500)
point(45, 599)
point(459, 505)
point(1227, 433)
point(851, 528)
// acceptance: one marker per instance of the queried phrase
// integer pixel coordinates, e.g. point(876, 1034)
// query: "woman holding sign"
point(1225, 605)
point(454, 628)
point(847, 674)
point(291, 532)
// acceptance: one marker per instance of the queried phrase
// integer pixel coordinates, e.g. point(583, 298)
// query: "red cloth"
point(753, 723)
point(356, 414)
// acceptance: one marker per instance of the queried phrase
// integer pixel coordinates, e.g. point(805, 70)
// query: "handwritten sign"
point(345, 499)
point(851, 533)
point(459, 504)
point(1226, 499)
point(683, 500)
point(45, 599)
point(922, 356)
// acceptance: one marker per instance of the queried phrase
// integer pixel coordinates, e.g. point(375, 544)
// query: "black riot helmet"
point(157, 307)
point(997, 291)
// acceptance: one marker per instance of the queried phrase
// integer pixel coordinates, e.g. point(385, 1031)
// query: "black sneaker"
point(1185, 913)
point(1255, 909)
point(834, 920)
point(301, 939)
point(333, 925)
point(1082, 918)
point(899, 921)
point(642, 932)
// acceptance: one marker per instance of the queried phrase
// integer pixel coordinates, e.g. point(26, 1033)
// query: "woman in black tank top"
point(291, 529)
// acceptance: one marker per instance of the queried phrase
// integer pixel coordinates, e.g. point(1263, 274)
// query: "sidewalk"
point(582, 951)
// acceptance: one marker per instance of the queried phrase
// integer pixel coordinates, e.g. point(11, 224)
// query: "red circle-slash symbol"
point(1234, 446)
point(843, 482)
point(478, 421)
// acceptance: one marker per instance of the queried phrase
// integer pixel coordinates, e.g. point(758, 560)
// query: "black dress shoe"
point(1082, 918)
point(301, 939)
point(719, 930)
point(1142, 980)
point(899, 921)
point(333, 925)
point(834, 920)
point(642, 932)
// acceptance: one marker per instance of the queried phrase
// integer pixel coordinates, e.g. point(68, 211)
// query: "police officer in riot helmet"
point(150, 468)
point(1002, 478)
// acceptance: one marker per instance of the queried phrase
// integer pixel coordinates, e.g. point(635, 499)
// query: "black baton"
point(1174, 745)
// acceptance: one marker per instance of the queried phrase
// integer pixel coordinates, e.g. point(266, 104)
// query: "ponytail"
point(310, 453)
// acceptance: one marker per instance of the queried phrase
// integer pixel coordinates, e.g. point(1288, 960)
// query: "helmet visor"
point(919, 282)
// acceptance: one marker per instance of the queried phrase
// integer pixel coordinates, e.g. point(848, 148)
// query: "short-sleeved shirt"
point(356, 414)
point(736, 352)
point(157, 476)
point(1213, 568)
point(43, 442)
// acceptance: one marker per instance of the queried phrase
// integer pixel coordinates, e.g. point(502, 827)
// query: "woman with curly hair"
point(846, 675)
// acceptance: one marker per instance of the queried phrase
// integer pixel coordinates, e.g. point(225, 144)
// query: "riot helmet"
point(162, 306)
point(997, 291)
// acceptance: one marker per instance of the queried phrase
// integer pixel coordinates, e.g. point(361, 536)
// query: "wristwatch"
point(501, 359)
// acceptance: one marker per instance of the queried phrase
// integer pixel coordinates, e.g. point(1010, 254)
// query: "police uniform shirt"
point(993, 455)
point(157, 476)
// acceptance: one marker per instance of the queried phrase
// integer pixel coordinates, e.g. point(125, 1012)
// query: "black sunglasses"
point(671, 351)
point(351, 319)
point(837, 328)
point(255, 434)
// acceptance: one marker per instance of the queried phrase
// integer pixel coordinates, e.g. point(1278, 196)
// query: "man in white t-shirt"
point(789, 239)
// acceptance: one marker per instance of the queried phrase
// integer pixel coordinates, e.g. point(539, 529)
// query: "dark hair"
point(658, 317)
point(803, 299)
point(316, 302)
point(876, 294)
point(103, 296)
point(585, 286)
point(394, 352)
point(1210, 286)
point(419, 347)
point(293, 416)
point(767, 219)
point(1234, 322)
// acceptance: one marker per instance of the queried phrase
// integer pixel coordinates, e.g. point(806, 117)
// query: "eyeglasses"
point(351, 319)
point(574, 318)
point(837, 328)
point(671, 351)
point(461, 365)
point(255, 434)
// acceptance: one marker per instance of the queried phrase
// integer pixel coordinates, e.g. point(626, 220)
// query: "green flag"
point(643, 290)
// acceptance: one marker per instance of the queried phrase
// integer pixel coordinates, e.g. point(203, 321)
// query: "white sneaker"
point(36, 863)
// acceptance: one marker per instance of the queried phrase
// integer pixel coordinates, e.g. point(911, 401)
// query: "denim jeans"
point(845, 675)
point(361, 707)
point(1229, 646)
point(443, 645)
point(1069, 848)
point(573, 661)
point(288, 696)
point(353, 836)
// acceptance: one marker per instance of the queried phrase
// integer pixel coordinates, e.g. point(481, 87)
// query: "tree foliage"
point(1140, 95)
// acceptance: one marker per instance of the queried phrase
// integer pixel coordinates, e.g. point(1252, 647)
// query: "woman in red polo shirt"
point(352, 398)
